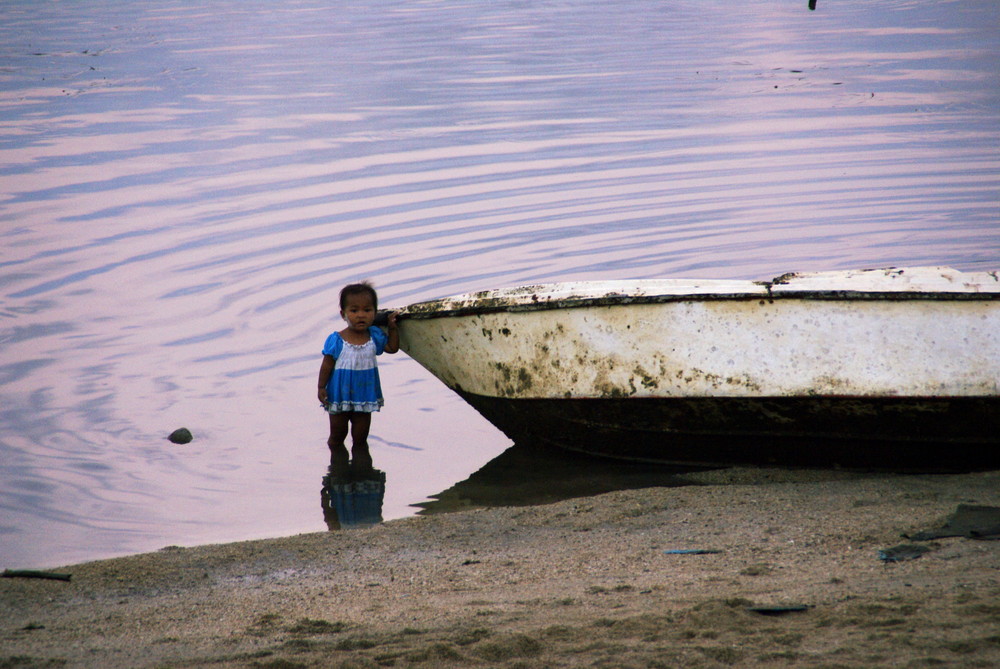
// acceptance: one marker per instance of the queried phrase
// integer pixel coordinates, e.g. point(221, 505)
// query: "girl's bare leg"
point(361, 424)
point(338, 451)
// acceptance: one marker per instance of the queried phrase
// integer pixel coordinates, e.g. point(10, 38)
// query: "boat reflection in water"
point(522, 476)
point(350, 502)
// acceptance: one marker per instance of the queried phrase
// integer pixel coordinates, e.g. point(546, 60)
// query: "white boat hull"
point(806, 369)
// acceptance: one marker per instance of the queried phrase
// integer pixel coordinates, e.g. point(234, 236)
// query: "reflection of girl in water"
point(349, 387)
point(353, 503)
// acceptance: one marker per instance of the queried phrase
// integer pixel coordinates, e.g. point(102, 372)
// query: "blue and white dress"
point(354, 383)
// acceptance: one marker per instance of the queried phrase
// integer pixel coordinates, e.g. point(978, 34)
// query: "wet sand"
point(578, 583)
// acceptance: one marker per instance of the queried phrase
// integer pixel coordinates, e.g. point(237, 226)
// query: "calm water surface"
point(185, 186)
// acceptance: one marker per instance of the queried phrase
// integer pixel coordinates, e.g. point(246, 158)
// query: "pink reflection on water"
point(175, 231)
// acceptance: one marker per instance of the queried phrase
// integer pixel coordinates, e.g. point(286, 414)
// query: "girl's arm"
point(325, 370)
point(392, 344)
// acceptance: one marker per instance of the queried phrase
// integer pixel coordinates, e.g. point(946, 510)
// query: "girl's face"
point(359, 311)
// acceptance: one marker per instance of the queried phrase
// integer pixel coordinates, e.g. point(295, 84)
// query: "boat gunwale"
point(490, 305)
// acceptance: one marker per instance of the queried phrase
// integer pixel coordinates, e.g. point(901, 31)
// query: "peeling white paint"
point(895, 332)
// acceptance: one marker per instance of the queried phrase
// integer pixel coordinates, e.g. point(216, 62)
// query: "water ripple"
point(186, 190)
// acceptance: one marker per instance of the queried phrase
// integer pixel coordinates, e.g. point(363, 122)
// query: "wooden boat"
point(896, 368)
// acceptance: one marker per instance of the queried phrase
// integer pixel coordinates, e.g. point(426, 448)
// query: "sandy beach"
point(586, 582)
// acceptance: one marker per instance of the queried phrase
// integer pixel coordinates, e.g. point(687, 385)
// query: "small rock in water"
point(181, 436)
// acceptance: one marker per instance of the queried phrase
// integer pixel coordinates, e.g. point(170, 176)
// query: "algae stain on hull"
point(512, 382)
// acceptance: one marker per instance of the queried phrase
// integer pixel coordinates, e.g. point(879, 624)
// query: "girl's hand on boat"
point(392, 343)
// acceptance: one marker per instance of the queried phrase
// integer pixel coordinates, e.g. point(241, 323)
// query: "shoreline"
point(580, 582)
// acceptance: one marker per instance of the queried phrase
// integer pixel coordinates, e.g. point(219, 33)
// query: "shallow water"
point(186, 186)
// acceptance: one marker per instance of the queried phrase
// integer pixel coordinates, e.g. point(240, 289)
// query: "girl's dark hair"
point(357, 289)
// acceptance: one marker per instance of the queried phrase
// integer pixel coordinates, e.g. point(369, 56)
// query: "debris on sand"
point(969, 520)
point(902, 552)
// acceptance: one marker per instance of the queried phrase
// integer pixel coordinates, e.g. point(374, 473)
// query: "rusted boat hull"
point(897, 368)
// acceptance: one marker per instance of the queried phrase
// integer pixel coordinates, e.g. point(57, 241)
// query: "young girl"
point(349, 386)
